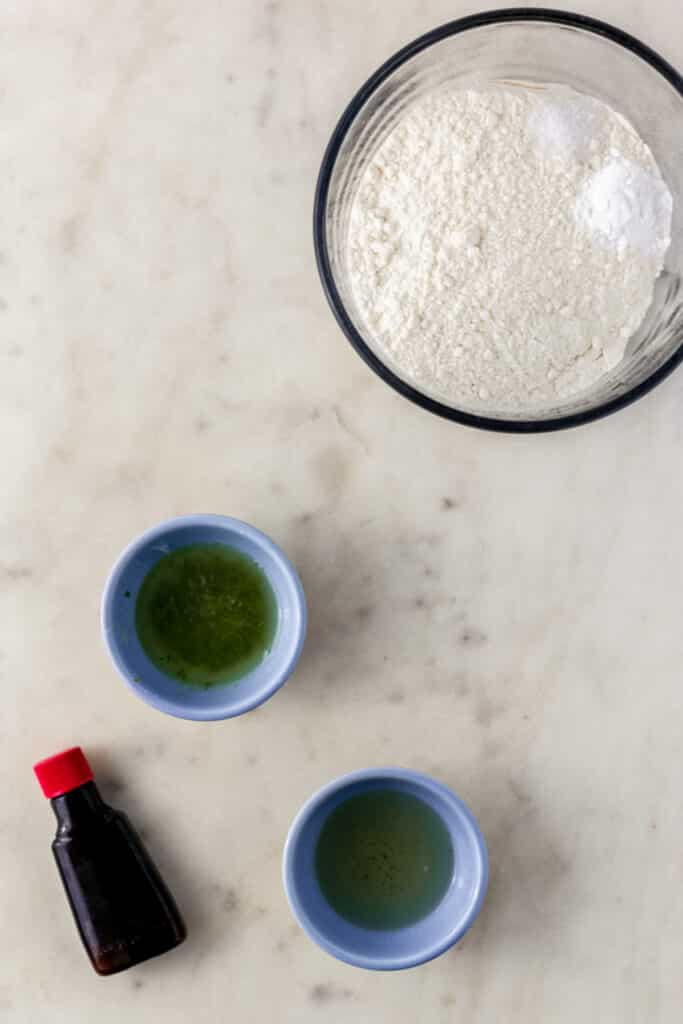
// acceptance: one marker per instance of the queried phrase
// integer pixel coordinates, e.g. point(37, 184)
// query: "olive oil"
point(384, 859)
point(206, 614)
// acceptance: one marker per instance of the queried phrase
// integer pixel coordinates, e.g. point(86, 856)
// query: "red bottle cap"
point(62, 772)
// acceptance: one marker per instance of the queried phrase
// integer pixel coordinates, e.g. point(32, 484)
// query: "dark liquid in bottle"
point(124, 911)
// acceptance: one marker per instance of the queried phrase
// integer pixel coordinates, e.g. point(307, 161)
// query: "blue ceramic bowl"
point(149, 682)
point(402, 947)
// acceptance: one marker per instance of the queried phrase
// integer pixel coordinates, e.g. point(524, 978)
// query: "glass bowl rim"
point(358, 101)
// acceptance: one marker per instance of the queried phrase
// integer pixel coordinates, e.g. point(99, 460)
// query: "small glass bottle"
point(124, 911)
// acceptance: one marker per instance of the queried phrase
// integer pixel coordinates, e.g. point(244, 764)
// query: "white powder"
point(504, 244)
point(565, 123)
point(628, 207)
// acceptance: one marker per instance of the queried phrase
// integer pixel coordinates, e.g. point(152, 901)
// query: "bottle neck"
point(78, 805)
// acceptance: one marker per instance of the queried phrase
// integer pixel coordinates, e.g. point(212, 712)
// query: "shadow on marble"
point(532, 887)
point(344, 585)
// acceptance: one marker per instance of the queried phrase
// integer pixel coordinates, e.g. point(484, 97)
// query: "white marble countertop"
point(501, 612)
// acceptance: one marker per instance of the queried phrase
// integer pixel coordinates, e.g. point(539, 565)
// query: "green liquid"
point(384, 859)
point(206, 614)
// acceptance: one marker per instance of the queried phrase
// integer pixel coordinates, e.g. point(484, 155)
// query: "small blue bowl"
point(149, 682)
point(402, 947)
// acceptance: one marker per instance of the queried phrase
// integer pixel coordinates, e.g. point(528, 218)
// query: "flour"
point(503, 244)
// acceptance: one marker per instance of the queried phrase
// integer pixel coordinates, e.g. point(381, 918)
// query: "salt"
point(564, 124)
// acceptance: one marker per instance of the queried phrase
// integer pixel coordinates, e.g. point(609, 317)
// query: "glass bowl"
point(521, 45)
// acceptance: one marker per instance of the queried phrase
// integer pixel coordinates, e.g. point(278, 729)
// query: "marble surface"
point(501, 612)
